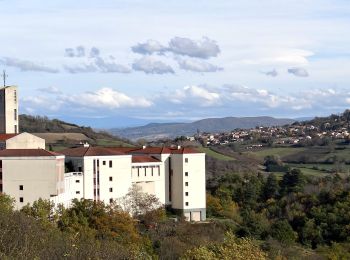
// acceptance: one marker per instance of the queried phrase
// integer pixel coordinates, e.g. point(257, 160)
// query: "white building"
point(30, 174)
point(175, 175)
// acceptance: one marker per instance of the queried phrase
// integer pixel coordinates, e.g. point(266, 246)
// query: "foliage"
point(231, 248)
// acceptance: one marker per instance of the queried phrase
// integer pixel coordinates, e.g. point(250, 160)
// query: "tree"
point(141, 205)
point(6, 203)
point(292, 181)
point(283, 232)
point(231, 248)
point(42, 210)
point(271, 187)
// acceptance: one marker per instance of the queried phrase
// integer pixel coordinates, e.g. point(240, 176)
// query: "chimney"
point(178, 147)
point(143, 146)
point(86, 144)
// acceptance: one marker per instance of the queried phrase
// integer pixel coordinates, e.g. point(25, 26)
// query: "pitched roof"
point(27, 153)
point(4, 137)
point(90, 151)
point(144, 159)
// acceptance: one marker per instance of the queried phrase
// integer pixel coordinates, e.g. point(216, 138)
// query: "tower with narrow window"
point(9, 110)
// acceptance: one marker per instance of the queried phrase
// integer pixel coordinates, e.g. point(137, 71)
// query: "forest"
point(250, 216)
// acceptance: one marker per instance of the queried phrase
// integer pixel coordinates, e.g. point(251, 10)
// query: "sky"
point(118, 63)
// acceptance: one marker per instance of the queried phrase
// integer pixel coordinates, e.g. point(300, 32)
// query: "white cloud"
point(110, 66)
point(107, 98)
point(204, 48)
point(79, 51)
point(273, 73)
point(151, 66)
point(298, 72)
point(50, 90)
point(25, 65)
point(198, 66)
point(149, 47)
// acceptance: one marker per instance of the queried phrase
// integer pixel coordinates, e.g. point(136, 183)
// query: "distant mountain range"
point(154, 131)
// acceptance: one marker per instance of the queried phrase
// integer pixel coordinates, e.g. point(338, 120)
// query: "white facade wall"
point(9, 115)
point(188, 184)
point(110, 182)
point(25, 141)
point(40, 177)
point(74, 189)
point(150, 177)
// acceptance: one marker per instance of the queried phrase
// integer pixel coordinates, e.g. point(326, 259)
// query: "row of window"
point(110, 163)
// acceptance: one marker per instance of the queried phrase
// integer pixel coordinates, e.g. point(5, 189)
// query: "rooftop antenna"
point(4, 76)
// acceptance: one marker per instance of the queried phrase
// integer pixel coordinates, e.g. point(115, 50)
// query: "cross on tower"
point(4, 76)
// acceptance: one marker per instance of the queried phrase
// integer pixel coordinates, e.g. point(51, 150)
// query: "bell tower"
point(9, 110)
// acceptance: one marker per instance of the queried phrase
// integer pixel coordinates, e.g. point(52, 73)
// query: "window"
point(186, 183)
point(20, 187)
point(186, 193)
point(0, 187)
point(186, 173)
point(104, 162)
point(0, 175)
point(15, 114)
point(77, 192)
point(80, 169)
point(15, 129)
point(21, 199)
point(110, 164)
point(186, 160)
point(0, 163)
point(15, 96)
point(110, 189)
point(186, 203)
point(110, 200)
point(110, 178)
point(77, 181)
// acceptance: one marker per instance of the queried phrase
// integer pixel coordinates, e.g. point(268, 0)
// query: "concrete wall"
point(189, 192)
point(8, 104)
point(150, 178)
point(41, 177)
point(25, 141)
point(120, 172)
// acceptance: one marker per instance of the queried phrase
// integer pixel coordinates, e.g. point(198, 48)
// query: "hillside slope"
point(170, 130)
point(59, 132)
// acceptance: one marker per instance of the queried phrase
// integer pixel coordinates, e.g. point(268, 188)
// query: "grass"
point(215, 155)
point(280, 151)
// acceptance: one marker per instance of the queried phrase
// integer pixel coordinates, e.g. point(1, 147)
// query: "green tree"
point(283, 232)
point(292, 181)
point(271, 187)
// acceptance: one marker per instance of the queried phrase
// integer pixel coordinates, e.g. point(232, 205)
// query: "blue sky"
point(107, 63)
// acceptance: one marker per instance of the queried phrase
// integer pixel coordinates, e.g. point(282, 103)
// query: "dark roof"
point(144, 159)
point(90, 151)
point(27, 153)
point(163, 150)
point(4, 137)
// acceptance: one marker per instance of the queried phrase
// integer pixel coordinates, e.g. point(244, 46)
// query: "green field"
point(280, 151)
point(215, 155)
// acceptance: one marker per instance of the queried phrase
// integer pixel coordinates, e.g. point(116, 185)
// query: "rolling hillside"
point(59, 134)
point(170, 130)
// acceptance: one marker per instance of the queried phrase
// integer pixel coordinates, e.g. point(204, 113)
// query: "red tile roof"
point(144, 159)
point(90, 151)
point(106, 151)
point(27, 153)
point(4, 137)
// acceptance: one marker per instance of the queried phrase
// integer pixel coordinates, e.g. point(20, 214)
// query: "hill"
point(59, 134)
point(171, 130)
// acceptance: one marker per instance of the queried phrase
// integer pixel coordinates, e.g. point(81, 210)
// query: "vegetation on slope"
point(38, 124)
